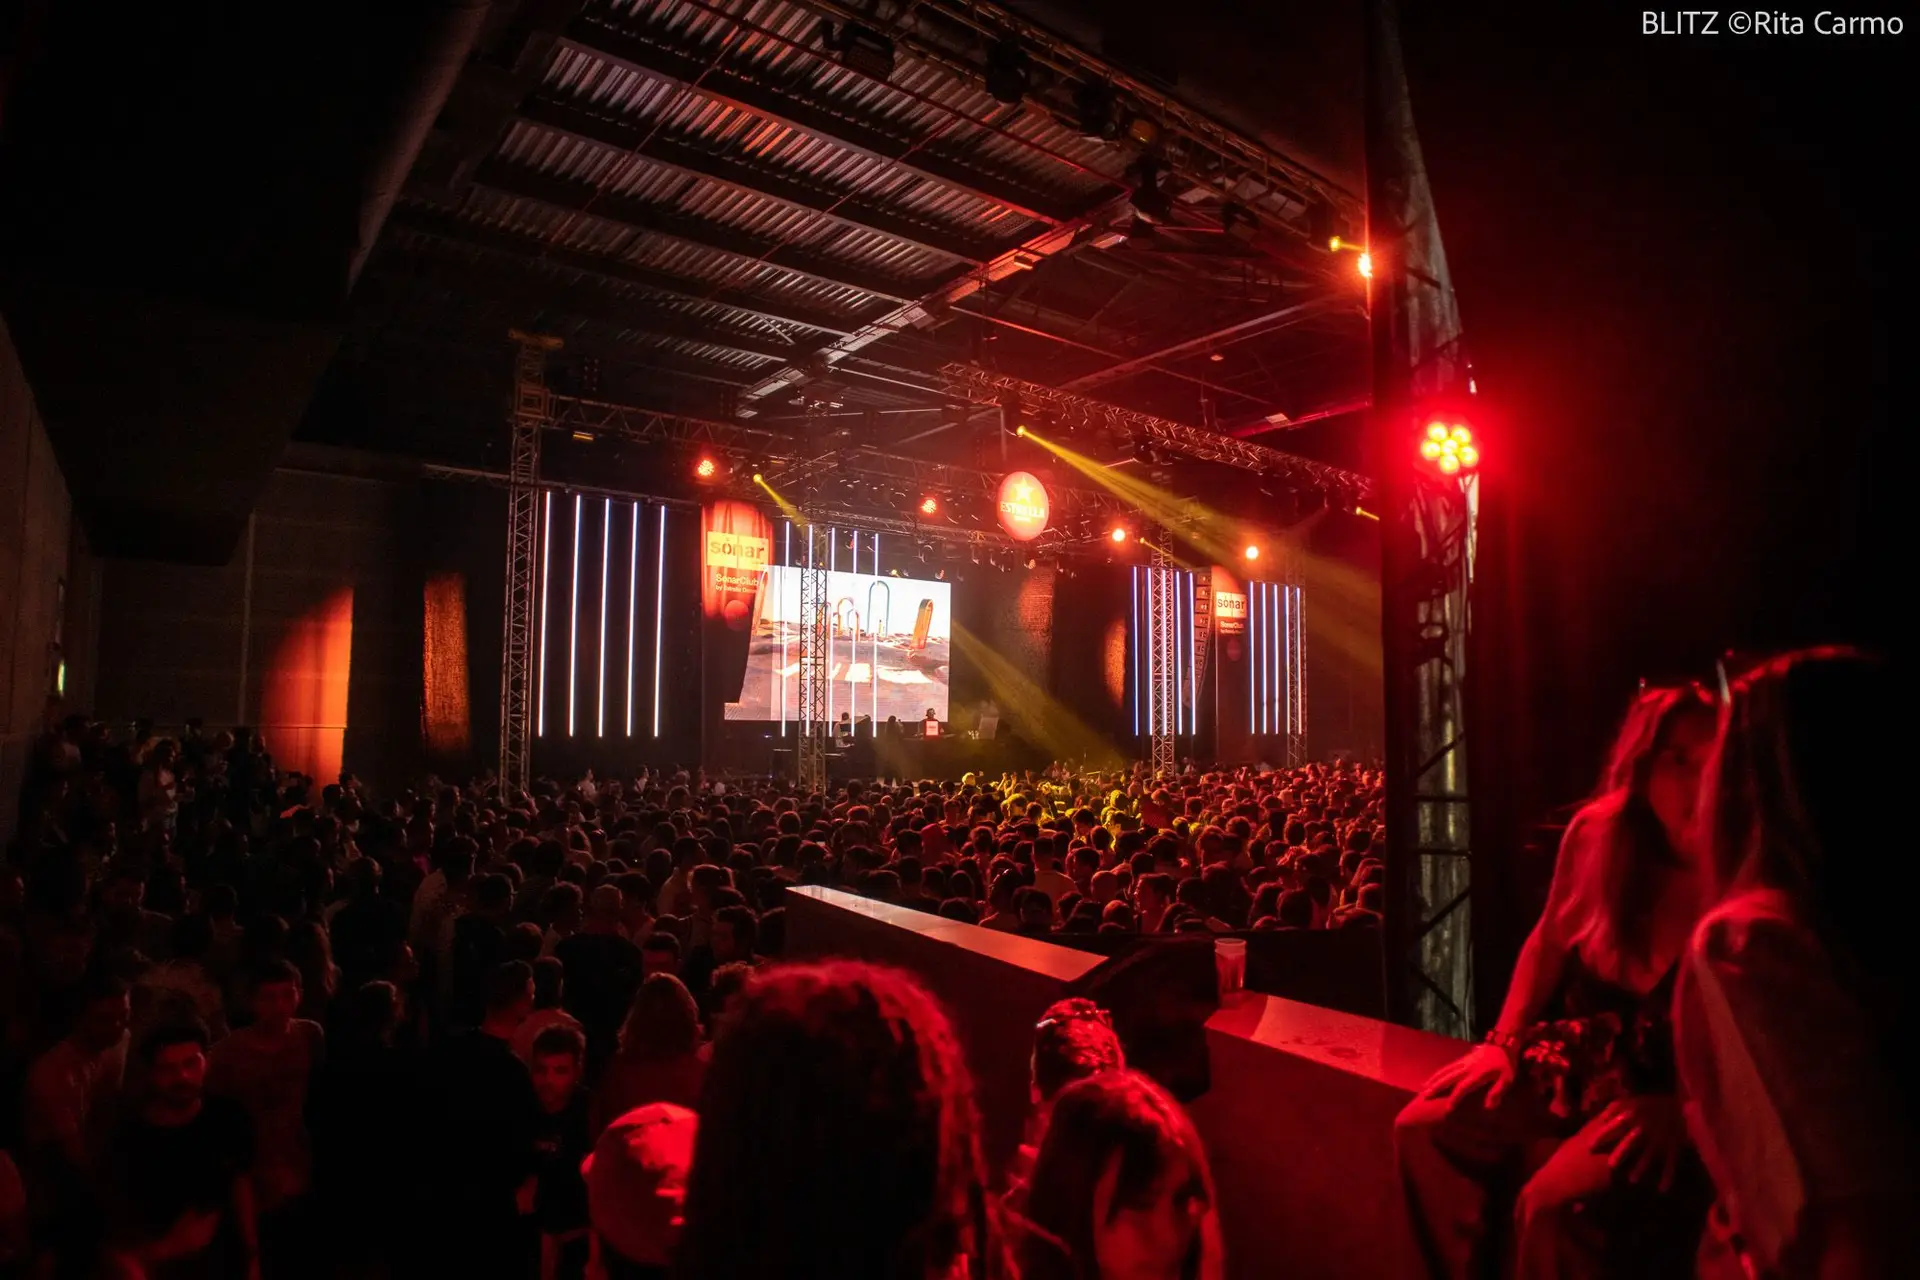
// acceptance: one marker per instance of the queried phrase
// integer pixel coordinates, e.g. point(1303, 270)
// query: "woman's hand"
point(1641, 1136)
point(1488, 1069)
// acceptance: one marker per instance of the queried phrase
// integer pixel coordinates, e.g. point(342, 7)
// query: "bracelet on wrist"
point(1503, 1040)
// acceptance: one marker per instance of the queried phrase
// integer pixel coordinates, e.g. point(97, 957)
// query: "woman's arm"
point(1543, 959)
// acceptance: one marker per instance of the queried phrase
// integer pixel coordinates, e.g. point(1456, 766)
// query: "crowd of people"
point(255, 1027)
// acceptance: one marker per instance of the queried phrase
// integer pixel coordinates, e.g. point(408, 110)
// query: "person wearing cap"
point(636, 1187)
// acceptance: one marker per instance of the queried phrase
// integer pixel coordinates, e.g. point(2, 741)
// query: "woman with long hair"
point(838, 1138)
point(1120, 1189)
point(1571, 1098)
point(658, 1056)
point(1792, 1001)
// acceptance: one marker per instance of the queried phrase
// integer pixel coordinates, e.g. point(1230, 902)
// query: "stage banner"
point(1229, 602)
point(737, 542)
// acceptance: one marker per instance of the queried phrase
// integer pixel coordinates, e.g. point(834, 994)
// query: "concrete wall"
point(310, 632)
point(1298, 1121)
point(35, 539)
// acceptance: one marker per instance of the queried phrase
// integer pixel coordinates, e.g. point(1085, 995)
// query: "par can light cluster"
point(1448, 447)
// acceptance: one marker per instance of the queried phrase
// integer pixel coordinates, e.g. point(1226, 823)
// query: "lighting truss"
point(1177, 437)
point(532, 413)
point(796, 471)
point(1164, 620)
point(816, 650)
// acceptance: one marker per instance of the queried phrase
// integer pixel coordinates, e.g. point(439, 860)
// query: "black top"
point(487, 1117)
point(160, 1172)
point(560, 1144)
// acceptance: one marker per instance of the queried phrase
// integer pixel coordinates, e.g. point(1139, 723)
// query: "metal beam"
point(555, 297)
point(664, 223)
point(448, 225)
point(1208, 446)
point(719, 84)
point(670, 153)
point(1232, 333)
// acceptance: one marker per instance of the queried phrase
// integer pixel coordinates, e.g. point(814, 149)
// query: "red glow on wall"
point(303, 698)
point(446, 716)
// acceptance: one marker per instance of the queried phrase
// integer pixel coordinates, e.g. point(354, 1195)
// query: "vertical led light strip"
point(1134, 596)
point(1182, 653)
point(659, 611)
point(633, 593)
point(1257, 655)
point(1279, 642)
point(873, 658)
point(1193, 659)
point(853, 649)
point(1286, 658)
point(606, 553)
point(573, 624)
point(786, 563)
point(1253, 637)
point(1273, 666)
point(546, 546)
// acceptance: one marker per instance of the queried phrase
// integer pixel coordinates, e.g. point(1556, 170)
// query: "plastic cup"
point(1230, 959)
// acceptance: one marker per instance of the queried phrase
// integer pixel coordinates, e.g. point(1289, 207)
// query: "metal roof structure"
point(779, 213)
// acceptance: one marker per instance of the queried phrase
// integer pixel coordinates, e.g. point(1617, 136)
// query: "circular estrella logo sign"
point(1023, 506)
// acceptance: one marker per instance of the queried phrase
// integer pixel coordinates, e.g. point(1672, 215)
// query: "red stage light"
point(1253, 552)
point(1119, 533)
point(706, 468)
point(1448, 447)
point(1366, 266)
point(929, 505)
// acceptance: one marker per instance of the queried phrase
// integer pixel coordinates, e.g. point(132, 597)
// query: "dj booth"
point(910, 756)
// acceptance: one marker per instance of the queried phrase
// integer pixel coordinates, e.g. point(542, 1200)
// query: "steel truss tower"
point(532, 413)
point(1427, 547)
point(1296, 673)
point(1163, 664)
point(816, 615)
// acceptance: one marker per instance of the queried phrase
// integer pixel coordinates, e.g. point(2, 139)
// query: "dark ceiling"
point(767, 215)
point(726, 214)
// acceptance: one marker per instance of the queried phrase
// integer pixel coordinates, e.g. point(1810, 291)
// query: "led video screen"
point(889, 648)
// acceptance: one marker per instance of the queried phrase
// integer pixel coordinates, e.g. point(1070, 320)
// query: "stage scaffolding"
point(816, 653)
point(1427, 548)
point(1164, 638)
point(532, 413)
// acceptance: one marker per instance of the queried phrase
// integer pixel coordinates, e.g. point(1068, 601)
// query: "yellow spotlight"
point(757, 479)
point(1020, 430)
point(1119, 533)
point(1335, 243)
point(1461, 435)
point(1469, 456)
point(1366, 266)
point(1436, 431)
point(1449, 463)
point(1430, 449)
point(1253, 552)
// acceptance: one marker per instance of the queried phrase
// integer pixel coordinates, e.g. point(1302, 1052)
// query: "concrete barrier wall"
point(1298, 1122)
